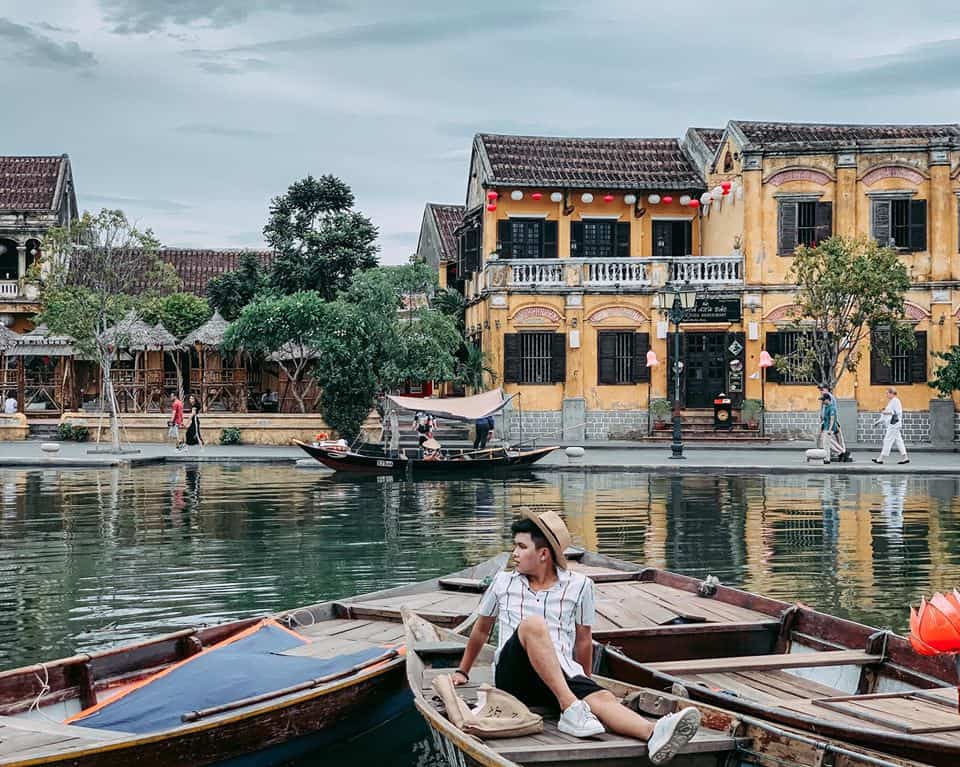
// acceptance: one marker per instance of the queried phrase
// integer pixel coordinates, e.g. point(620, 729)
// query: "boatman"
point(544, 654)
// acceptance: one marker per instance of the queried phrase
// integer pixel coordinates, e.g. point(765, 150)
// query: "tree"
point(473, 369)
point(946, 379)
point(97, 266)
point(320, 242)
point(451, 303)
point(847, 288)
point(178, 312)
point(288, 328)
point(231, 291)
point(422, 348)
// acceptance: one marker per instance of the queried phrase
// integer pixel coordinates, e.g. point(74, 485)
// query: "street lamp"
point(675, 302)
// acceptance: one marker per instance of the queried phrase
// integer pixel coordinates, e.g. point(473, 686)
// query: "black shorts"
point(515, 674)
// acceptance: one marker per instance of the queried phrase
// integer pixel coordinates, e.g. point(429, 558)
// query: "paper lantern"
point(694, 203)
point(726, 192)
point(630, 199)
point(725, 185)
point(608, 198)
point(492, 207)
point(516, 194)
point(705, 198)
point(536, 196)
point(492, 195)
point(717, 194)
point(586, 197)
point(556, 196)
point(766, 361)
point(667, 200)
point(653, 199)
point(937, 626)
point(652, 360)
point(685, 199)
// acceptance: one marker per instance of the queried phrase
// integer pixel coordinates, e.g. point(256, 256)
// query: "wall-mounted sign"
point(715, 309)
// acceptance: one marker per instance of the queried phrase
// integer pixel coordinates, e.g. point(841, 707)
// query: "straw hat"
point(554, 530)
point(431, 444)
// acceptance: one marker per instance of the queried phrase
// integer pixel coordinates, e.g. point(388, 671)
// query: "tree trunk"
point(111, 402)
point(295, 384)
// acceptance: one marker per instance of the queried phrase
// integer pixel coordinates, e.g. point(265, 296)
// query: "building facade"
point(565, 243)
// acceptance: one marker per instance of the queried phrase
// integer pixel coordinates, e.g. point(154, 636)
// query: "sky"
point(191, 115)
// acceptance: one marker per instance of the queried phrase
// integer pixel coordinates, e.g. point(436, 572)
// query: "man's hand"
point(460, 678)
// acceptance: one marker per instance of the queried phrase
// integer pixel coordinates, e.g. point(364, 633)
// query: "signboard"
point(715, 309)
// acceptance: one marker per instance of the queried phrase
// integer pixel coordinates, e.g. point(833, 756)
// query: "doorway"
point(704, 367)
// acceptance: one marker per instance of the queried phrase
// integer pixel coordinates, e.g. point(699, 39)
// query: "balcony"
point(9, 288)
point(612, 274)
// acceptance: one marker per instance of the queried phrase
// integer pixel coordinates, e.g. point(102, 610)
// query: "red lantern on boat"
point(935, 627)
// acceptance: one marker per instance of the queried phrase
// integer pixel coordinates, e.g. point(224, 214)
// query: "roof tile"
point(197, 267)
point(447, 218)
point(766, 133)
point(29, 183)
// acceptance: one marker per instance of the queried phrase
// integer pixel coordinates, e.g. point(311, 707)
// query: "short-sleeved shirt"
point(828, 416)
point(569, 603)
point(177, 418)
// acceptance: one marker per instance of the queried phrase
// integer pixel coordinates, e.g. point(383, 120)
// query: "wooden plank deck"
point(23, 738)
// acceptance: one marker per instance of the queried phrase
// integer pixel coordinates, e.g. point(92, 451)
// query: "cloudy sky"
point(191, 114)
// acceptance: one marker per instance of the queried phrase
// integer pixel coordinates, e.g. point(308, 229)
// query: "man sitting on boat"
point(545, 648)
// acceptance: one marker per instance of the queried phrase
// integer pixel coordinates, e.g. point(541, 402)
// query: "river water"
point(90, 558)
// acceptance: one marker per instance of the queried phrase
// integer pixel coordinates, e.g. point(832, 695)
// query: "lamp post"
point(675, 302)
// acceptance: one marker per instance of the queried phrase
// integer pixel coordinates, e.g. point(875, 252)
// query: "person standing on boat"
point(484, 427)
point(544, 654)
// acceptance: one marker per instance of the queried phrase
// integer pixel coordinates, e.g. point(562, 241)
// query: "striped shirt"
point(568, 603)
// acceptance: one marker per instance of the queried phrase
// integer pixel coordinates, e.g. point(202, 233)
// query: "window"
point(527, 238)
point(622, 357)
point(600, 238)
point(789, 344)
point(534, 357)
point(802, 222)
point(672, 238)
point(900, 223)
point(469, 251)
point(905, 365)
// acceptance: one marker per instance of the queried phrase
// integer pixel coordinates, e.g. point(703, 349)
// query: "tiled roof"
point(710, 136)
point(447, 218)
point(29, 183)
point(197, 267)
point(589, 163)
point(818, 133)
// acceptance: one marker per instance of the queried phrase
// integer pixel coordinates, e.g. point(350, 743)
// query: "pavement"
point(786, 457)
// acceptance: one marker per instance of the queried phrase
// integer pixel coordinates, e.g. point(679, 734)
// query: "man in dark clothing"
point(484, 427)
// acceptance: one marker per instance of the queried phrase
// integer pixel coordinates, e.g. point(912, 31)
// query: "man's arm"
point(478, 636)
point(583, 648)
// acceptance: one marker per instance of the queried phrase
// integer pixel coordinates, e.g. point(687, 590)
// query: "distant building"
point(438, 244)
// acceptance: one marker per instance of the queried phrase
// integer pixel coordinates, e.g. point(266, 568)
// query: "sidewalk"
point(785, 457)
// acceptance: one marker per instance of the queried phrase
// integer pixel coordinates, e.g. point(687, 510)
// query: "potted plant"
point(750, 412)
point(660, 410)
point(946, 380)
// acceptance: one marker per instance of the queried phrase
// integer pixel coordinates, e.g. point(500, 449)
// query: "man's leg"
point(889, 436)
point(618, 718)
point(898, 441)
point(535, 638)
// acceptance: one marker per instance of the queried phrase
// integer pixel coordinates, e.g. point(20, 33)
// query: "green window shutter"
point(787, 220)
point(558, 357)
point(623, 239)
point(641, 345)
point(606, 358)
point(576, 238)
point(918, 225)
point(511, 357)
point(824, 221)
point(550, 239)
point(880, 221)
point(918, 359)
point(505, 238)
point(774, 346)
point(880, 372)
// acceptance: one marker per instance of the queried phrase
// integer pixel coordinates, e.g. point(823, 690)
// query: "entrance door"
point(704, 368)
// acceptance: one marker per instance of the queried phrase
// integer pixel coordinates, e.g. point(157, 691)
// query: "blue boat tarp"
point(232, 670)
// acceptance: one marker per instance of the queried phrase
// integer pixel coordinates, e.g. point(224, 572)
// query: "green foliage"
point(232, 291)
point(946, 379)
point(230, 436)
point(320, 242)
point(846, 287)
point(751, 410)
point(475, 369)
point(81, 313)
point(660, 408)
point(179, 312)
point(67, 432)
point(452, 304)
point(421, 349)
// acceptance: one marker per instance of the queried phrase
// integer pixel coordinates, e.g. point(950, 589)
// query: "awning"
point(456, 408)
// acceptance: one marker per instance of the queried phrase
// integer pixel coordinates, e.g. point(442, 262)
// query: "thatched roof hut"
point(39, 342)
point(8, 339)
point(133, 334)
point(163, 338)
point(210, 334)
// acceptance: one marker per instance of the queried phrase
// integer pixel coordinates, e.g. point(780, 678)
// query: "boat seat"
point(473, 585)
point(766, 662)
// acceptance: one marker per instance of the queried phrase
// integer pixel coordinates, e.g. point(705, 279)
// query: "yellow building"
point(566, 241)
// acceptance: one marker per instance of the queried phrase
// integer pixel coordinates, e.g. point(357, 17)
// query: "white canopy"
point(456, 408)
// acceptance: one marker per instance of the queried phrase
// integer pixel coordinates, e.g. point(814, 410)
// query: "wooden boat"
point(724, 738)
point(452, 462)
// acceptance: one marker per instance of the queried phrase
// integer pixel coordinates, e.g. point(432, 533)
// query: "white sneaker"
point(671, 733)
point(578, 720)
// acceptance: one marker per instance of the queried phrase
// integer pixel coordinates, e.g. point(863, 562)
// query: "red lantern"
point(536, 196)
point(608, 198)
point(725, 192)
point(667, 200)
point(725, 186)
point(492, 195)
point(694, 203)
point(492, 207)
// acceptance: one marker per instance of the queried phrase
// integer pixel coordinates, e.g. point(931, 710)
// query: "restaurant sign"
point(715, 309)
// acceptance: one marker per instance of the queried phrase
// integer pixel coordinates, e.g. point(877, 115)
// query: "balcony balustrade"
point(707, 271)
point(9, 288)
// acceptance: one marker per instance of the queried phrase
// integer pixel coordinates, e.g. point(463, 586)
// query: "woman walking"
point(892, 416)
point(194, 435)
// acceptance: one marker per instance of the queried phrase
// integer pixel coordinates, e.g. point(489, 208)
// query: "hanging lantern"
point(685, 199)
point(492, 195)
point(586, 197)
point(716, 194)
point(516, 194)
point(667, 200)
point(653, 199)
point(536, 196)
point(652, 360)
point(556, 197)
point(766, 361)
point(492, 207)
point(694, 203)
point(705, 198)
point(630, 199)
point(726, 192)
point(608, 198)
point(725, 186)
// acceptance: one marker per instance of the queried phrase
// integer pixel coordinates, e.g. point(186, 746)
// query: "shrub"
point(751, 410)
point(661, 409)
point(67, 432)
point(230, 436)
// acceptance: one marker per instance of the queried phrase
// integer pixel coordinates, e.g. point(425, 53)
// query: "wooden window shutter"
point(880, 372)
point(606, 358)
point(622, 249)
point(774, 346)
point(824, 221)
point(473, 250)
point(787, 219)
point(505, 238)
point(461, 246)
point(558, 357)
point(918, 225)
point(880, 221)
point(511, 357)
point(576, 238)
point(918, 359)
point(641, 345)
point(550, 239)
point(662, 233)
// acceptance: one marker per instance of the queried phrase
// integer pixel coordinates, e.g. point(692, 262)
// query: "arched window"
point(728, 162)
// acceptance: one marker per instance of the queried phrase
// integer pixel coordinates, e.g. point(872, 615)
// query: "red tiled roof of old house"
point(197, 267)
point(447, 218)
point(711, 137)
point(766, 133)
point(30, 183)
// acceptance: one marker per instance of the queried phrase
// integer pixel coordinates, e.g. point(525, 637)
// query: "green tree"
point(946, 379)
point(846, 288)
point(287, 329)
point(231, 291)
point(451, 303)
point(474, 369)
point(178, 312)
point(422, 348)
point(320, 242)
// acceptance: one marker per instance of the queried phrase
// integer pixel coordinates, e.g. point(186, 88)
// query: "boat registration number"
point(385, 464)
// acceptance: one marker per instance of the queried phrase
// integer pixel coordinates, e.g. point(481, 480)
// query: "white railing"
point(613, 272)
point(9, 288)
point(532, 272)
point(706, 270)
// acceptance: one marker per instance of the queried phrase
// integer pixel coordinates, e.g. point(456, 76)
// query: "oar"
point(193, 716)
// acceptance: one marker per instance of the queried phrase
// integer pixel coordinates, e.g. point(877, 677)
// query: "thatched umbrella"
point(211, 335)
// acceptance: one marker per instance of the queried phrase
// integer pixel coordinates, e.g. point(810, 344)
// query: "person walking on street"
point(892, 417)
point(176, 420)
point(828, 424)
point(194, 435)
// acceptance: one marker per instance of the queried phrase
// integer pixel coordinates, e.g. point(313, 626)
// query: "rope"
point(44, 689)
